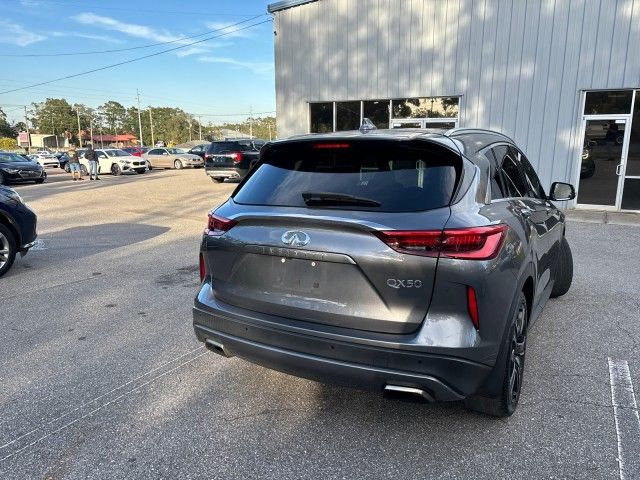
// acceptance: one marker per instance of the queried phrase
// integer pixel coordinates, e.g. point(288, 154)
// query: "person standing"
point(74, 164)
point(92, 157)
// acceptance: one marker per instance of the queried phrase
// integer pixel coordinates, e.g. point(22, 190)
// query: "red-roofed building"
point(102, 141)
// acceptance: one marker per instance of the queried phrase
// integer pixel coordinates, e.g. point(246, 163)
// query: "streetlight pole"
point(200, 125)
point(139, 119)
point(189, 128)
point(79, 131)
point(151, 122)
point(53, 126)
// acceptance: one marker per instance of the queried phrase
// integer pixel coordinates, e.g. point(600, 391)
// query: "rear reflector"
point(202, 267)
point(475, 243)
point(218, 225)
point(472, 305)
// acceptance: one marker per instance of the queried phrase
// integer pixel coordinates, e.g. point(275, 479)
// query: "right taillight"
point(218, 225)
point(237, 157)
point(475, 243)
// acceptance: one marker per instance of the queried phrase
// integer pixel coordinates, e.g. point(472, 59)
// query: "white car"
point(115, 161)
point(45, 160)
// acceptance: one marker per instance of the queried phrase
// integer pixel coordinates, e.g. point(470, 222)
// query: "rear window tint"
point(400, 177)
point(241, 146)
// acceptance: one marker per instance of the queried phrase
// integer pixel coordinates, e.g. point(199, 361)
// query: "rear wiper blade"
point(328, 198)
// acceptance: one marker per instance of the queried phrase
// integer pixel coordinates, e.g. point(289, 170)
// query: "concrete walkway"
point(599, 216)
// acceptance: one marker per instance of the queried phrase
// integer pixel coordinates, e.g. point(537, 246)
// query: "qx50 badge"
point(295, 238)
point(402, 283)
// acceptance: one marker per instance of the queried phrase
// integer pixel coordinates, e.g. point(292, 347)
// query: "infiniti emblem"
point(295, 238)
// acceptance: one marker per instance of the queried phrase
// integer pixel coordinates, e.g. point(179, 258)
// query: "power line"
point(106, 67)
point(116, 50)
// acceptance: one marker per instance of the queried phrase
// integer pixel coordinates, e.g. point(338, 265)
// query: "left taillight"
point(218, 225)
point(203, 270)
point(475, 243)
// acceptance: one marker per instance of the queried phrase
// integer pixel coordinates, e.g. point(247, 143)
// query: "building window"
point(609, 102)
point(321, 117)
point(433, 107)
point(347, 116)
point(377, 111)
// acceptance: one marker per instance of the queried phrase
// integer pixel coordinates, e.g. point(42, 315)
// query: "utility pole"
point(139, 118)
point(269, 125)
point(151, 122)
point(26, 124)
point(79, 131)
point(250, 122)
point(53, 126)
point(91, 129)
point(200, 125)
point(101, 137)
point(189, 128)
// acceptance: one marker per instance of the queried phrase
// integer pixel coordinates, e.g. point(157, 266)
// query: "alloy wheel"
point(516, 358)
point(4, 250)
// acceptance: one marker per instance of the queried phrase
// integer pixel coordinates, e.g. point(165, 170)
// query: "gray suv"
point(400, 261)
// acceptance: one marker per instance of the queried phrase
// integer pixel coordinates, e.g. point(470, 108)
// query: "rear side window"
point(388, 176)
point(534, 187)
point(510, 175)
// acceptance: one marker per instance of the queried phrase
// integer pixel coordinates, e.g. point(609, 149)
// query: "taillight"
point(472, 306)
point(202, 267)
point(208, 156)
point(475, 243)
point(237, 157)
point(218, 225)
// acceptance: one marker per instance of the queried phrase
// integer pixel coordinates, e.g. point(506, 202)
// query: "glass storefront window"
point(321, 117)
point(347, 116)
point(633, 158)
point(433, 107)
point(609, 102)
point(378, 112)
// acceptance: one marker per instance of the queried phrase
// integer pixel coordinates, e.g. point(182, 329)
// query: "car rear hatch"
point(302, 236)
point(227, 155)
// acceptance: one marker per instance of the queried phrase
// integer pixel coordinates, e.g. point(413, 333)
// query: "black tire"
point(2, 179)
point(8, 243)
point(40, 180)
point(115, 169)
point(177, 165)
point(83, 170)
point(217, 179)
point(563, 270)
point(511, 368)
point(149, 165)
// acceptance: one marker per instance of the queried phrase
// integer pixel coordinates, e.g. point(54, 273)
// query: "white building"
point(555, 75)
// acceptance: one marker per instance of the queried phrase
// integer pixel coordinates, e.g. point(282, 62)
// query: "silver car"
point(400, 261)
point(167, 157)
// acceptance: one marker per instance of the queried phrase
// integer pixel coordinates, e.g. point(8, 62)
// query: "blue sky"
point(226, 75)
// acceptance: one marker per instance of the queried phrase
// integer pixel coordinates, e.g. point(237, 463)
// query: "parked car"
point(17, 228)
point(167, 157)
point(46, 160)
point(200, 150)
point(135, 151)
point(231, 159)
point(114, 161)
point(397, 261)
point(15, 168)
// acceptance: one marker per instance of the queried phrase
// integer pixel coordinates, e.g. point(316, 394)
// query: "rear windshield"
point(239, 146)
point(386, 176)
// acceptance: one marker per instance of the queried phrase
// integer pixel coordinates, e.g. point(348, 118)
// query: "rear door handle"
point(618, 168)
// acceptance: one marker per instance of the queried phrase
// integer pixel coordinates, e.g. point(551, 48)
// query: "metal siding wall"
point(520, 65)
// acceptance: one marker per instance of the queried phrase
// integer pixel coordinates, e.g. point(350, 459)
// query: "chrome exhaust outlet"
point(216, 347)
point(399, 389)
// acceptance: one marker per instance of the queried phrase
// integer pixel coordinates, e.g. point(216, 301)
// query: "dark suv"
point(231, 159)
point(17, 227)
point(399, 261)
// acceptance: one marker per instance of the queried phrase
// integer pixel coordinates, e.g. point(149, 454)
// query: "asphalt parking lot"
point(102, 377)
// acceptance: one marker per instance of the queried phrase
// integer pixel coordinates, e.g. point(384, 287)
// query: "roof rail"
point(454, 131)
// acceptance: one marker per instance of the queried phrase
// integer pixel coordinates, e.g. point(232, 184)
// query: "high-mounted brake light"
point(475, 243)
point(218, 225)
point(472, 306)
point(331, 145)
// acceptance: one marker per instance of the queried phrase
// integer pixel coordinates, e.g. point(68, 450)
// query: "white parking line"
point(625, 412)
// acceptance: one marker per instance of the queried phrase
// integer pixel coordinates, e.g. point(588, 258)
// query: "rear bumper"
point(329, 359)
point(226, 172)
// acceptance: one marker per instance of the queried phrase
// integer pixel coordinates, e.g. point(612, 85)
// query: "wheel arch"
point(8, 222)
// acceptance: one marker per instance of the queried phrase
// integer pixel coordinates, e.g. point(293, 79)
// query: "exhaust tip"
point(216, 347)
point(410, 391)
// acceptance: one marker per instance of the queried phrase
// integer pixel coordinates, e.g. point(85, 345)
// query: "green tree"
point(5, 129)
point(113, 114)
point(55, 115)
point(8, 143)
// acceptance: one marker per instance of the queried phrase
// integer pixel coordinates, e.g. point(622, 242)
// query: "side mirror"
point(561, 192)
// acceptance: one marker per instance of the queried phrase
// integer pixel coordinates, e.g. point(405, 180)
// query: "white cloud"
point(89, 36)
point(131, 29)
point(256, 67)
point(230, 32)
point(15, 34)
